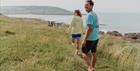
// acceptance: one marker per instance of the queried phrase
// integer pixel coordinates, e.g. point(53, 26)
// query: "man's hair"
point(90, 2)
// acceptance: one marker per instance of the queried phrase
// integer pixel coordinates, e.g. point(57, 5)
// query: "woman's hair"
point(78, 13)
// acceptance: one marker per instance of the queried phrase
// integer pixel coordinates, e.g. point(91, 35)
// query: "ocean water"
point(121, 22)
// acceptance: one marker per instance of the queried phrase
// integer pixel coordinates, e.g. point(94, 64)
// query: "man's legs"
point(86, 58)
point(93, 60)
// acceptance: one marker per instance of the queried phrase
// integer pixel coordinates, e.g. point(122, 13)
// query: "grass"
point(37, 47)
point(124, 53)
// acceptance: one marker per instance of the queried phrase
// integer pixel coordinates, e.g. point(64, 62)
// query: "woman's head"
point(78, 13)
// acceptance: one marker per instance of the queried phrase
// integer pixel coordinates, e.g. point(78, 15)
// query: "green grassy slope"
point(36, 47)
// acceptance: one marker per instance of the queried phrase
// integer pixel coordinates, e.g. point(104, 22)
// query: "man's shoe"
point(92, 69)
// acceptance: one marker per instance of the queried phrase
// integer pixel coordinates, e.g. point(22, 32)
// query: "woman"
point(76, 29)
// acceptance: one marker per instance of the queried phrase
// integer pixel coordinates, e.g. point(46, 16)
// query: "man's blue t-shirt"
point(93, 20)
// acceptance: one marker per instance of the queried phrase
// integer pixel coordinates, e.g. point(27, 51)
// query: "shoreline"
point(104, 26)
point(55, 22)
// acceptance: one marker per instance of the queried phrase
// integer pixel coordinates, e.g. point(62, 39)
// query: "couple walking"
point(90, 35)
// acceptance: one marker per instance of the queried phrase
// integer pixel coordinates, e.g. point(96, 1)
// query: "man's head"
point(89, 5)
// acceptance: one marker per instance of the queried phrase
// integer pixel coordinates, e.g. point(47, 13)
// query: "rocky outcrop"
point(102, 32)
point(138, 35)
point(10, 32)
point(130, 35)
point(0, 14)
point(114, 33)
point(127, 36)
point(55, 24)
point(133, 36)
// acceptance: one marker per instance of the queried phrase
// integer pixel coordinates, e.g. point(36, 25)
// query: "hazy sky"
point(100, 5)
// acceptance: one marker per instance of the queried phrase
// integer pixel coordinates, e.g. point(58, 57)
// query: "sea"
point(121, 22)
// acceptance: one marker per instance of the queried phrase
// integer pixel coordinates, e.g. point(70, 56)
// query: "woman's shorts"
point(76, 36)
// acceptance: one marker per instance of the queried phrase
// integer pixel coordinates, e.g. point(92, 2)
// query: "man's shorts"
point(90, 46)
point(76, 36)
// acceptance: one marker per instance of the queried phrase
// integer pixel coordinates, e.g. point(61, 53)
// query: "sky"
point(125, 6)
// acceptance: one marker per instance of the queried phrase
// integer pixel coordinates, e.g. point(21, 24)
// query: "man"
point(91, 38)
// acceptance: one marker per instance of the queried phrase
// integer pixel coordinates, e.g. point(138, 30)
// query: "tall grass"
point(124, 53)
point(37, 47)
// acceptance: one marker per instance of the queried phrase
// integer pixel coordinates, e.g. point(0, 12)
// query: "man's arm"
point(88, 31)
point(87, 34)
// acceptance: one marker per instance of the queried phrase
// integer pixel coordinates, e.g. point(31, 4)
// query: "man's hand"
point(84, 39)
point(84, 42)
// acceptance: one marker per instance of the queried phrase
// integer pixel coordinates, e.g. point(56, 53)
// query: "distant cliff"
point(0, 14)
point(41, 10)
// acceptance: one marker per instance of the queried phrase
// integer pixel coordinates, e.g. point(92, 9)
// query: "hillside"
point(41, 10)
point(31, 45)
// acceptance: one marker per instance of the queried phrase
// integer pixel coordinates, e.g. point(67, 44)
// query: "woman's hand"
point(67, 31)
point(83, 31)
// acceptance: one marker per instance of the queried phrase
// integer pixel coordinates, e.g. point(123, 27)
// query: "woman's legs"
point(78, 43)
point(73, 40)
point(77, 46)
